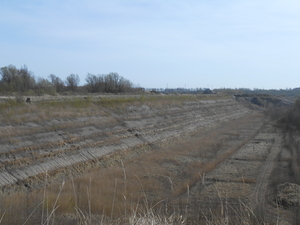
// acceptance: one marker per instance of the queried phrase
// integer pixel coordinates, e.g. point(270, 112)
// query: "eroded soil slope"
point(209, 162)
point(29, 150)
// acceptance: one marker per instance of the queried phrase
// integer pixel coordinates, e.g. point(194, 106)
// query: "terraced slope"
point(238, 189)
point(29, 150)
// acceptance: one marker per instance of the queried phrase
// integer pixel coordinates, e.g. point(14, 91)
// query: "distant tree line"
point(278, 92)
point(22, 80)
point(230, 91)
point(177, 90)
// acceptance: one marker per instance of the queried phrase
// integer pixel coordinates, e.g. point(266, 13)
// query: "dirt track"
point(240, 182)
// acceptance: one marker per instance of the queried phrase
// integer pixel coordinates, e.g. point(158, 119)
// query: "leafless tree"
point(95, 83)
point(111, 82)
point(72, 82)
point(8, 74)
point(13, 79)
point(57, 83)
point(27, 79)
point(125, 85)
point(43, 86)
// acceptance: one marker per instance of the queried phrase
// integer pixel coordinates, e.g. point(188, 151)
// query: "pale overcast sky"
point(157, 43)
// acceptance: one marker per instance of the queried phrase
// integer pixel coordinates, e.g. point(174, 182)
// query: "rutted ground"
point(216, 175)
point(239, 188)
point(30, 150)
point(240, 181)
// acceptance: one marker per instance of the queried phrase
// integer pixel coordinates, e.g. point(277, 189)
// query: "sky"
point(155, 43)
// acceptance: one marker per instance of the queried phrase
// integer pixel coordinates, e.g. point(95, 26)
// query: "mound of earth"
point(259, 101)
point(288, 195)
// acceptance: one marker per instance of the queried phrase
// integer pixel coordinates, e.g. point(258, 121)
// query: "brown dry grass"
point(156, 177)
point(13, 112)
point(67, 114)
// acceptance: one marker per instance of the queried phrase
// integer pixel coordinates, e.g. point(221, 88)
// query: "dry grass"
point(138, 187)
point(48, 207)
point(139, 190)
point(14, 112)
point(46, 116)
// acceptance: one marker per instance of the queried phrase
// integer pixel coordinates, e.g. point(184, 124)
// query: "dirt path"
point(240, 181)
point(259, 195)
point(261, 203)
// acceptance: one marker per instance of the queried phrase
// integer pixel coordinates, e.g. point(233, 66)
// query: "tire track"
point(259, 202)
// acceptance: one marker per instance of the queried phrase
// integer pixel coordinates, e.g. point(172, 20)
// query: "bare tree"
point(9, 78)
point(111, 82)
point(27, 79)
point(96, 83)
point(57, 83)
point(125, 85)
point(72, 82)
point(13, 79)
point(91, 80)
point(8, 74)
point(43, 86)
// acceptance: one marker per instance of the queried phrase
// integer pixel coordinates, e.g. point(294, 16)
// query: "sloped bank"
point(86, 142)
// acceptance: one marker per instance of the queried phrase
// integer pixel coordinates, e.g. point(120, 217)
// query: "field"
point(135, 159)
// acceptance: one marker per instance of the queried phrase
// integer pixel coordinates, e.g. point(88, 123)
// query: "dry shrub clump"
point(287, 118)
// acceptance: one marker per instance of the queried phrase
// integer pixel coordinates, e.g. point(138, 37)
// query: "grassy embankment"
point(16, 111)
point(141, 189)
